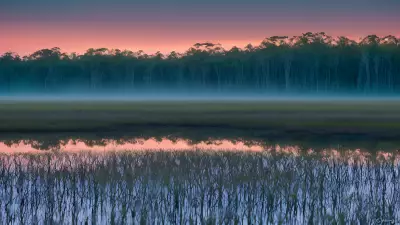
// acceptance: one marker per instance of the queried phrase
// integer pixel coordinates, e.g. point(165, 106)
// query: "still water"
point(161, 180)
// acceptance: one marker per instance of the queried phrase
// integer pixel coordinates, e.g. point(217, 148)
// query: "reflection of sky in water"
point(165, 144)
point(246, 185)
point(137, 144)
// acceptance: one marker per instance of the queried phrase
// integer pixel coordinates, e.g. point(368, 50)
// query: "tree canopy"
point(311, 62)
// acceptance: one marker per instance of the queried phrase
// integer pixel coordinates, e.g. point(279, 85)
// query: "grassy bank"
point(314, 116)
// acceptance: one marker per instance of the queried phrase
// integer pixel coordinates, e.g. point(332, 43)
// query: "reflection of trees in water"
point(58, 143)
point(314, 140)
point(195, 187)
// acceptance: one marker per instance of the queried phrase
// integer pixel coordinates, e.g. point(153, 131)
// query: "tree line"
point(311, 62)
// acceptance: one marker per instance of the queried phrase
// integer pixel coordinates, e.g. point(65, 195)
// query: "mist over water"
point(178, 174)
point(299, 130)
point(195, 95)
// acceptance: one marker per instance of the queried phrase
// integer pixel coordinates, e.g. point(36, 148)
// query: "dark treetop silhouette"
point(312, 62)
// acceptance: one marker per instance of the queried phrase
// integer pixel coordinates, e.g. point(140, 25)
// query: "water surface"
point(176, 180)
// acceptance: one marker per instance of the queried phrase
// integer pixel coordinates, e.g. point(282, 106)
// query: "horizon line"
point(228, 45)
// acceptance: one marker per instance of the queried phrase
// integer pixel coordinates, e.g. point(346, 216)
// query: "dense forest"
point(311, 62)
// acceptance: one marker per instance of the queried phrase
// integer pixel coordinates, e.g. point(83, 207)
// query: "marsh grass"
point(195, 187)
point(319, 116)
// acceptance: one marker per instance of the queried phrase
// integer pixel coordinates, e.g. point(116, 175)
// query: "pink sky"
point(26, 37)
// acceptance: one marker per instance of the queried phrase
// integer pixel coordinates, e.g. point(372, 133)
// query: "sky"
point(175, 25)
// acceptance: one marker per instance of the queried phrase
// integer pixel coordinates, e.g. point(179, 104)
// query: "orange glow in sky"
point(26, 37)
